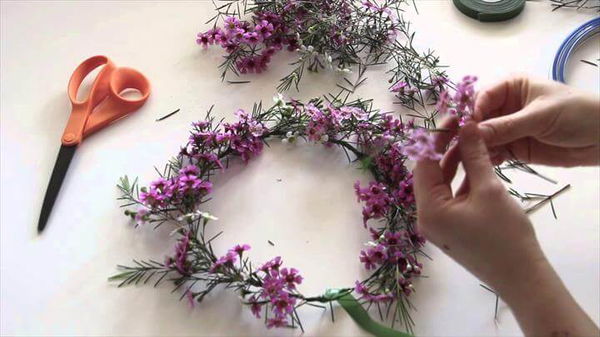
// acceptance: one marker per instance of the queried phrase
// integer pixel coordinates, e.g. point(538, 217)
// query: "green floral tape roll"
point(490, 10)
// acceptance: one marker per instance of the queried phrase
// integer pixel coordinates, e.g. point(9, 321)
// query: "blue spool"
point(577, 38)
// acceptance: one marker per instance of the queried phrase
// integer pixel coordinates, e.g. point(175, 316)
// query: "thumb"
point(475, 156)
point(508, 128)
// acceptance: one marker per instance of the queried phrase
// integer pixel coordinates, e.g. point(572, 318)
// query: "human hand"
point(480, 226)
point(484, 229)
point(540, 122)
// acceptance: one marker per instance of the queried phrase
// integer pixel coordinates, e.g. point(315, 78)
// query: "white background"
point(56, 283)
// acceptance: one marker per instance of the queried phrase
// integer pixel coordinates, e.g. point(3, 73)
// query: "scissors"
point(104, 105)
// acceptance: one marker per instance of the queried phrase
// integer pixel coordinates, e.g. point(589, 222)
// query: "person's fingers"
point(429, 184)
point(531, 151)
point(474, 156)
point(449, 129)
point(505, 129)
point(566, 157)
point(502, 98)
point(498, 159)
point(449, 164)
point(491, 99)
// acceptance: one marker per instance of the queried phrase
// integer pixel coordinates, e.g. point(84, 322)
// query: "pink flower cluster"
point(180, 258)
point(392, 163)
point(406, 89)
point(319, 125)
point(404, 195)
point(377, 197)
point(419, 145)
point(230, 258)
point(389, 160)
point(390, 248)
point(376, 200)
point(376, 8)
point(258, 39)
point(402, 87)
point(243, 137)
point(278, 285)
point(364, 293)
point(462, 103)
point(325, 122)
point(175, 190)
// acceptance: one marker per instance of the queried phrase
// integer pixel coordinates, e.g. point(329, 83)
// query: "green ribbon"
point(490, 11)
point(361, 316)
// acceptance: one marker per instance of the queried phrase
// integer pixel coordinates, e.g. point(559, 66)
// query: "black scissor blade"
point(58, 175)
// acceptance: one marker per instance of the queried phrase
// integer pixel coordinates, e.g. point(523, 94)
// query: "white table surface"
point(56, 284)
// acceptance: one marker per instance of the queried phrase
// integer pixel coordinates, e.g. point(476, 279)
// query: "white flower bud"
point(279, 101)
point(207, 215)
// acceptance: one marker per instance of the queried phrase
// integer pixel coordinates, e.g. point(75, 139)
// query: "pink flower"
point(205, 39)
point(180, 258)
point(376, 200)
point(231, 23)
point(277, 322)
point(366, 260)
point(399, 86)
point(378, 254)
point(251, 38)
point(255, 307)
point(291, 277)
point(264, 28)
point(226, 260)
point(420, 146)
point(361, 289)
point(212, 33)
point(283, 304)
point(222, 38)
point(190, 170)
point(392, 238)
point(141, 216)
point(443, 102)
point(240, 249)
point(273, 264)
point(272, 287)
point(153, 198)
point(439, 81)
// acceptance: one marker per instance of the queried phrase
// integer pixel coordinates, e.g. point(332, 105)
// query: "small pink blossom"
point(420, 145)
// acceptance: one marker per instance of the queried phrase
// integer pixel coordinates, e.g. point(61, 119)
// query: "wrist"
point(543, 306)
point(536, 279)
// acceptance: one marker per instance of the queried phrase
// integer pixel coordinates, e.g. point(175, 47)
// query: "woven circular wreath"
point(379, 142)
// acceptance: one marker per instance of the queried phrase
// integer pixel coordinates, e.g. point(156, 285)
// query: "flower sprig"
point(380, 142)
point(337, 35)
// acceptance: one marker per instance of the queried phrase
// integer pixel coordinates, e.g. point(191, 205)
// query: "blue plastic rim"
point(571, 43)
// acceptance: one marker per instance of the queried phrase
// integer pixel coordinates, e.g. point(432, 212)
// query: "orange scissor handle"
point(105, 104)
